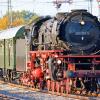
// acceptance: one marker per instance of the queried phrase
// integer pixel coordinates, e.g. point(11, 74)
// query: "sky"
point(41, 7)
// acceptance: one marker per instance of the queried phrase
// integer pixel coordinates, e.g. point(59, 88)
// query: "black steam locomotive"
point(65, 52)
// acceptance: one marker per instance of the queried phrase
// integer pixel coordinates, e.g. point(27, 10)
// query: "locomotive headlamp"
point(59, 61)
point(82, 22)
point(56, 55)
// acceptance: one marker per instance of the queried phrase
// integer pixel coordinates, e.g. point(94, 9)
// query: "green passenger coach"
point(13, 49)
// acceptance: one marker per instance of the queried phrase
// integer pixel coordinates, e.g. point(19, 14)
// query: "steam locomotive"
point(65, 53)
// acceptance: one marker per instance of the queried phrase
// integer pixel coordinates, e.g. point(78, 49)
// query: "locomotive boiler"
point(77, 32)
point(64, 56)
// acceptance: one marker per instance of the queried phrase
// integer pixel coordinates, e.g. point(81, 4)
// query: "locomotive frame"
point(64, 85)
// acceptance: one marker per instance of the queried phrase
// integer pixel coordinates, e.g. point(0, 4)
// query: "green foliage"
point(25, 15)
point(32, 19)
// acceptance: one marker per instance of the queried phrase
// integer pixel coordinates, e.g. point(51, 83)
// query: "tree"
point(18, 18)
point(4, 23)
point(18, 21)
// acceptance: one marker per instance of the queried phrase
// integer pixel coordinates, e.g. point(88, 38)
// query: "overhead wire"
point(29, 2)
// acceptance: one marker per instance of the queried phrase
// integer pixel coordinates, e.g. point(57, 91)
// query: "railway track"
point(12, 91)
point(5, 97)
